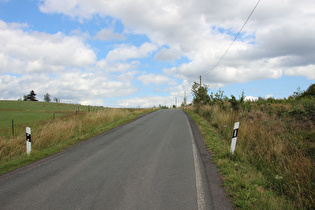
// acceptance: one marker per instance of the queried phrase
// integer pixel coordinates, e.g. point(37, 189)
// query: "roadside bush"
point(297, 112)
point(234, 103)
point(309, 107)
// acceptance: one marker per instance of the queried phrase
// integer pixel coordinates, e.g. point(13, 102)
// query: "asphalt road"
point(150, 163)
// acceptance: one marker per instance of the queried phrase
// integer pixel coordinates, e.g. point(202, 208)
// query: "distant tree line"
point(301, 103)
point(201, 96)
point(32, 97)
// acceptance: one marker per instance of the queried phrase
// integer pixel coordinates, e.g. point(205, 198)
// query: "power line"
point(249, 16)
point(233, 39)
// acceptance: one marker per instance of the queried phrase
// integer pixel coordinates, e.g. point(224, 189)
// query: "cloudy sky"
point(131, 53)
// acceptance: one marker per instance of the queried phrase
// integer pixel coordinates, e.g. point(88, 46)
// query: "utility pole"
point(200, 82)
point(175, 102)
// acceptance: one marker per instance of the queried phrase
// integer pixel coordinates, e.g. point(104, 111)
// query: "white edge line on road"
point(199, 186)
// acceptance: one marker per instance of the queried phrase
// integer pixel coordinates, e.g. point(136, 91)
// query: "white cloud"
point(268, 96)
point(127, 76)
point(80, 34)
point(108, 34)
point(181, 90)
point(73, 86)
point(125, 52)
point(147, 79)
point(167, 55)
point(73, 8)
point(277, 30)
point(147, 102)
point(308, 71)
point(60, 65)
point(25, 52)
point(277, 40)
point(116, 66)
point(91, 86)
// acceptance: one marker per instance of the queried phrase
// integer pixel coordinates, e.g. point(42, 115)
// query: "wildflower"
point(278, 177)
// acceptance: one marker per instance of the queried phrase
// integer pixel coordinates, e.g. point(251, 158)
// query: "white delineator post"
point(234, 138)
point(28, 140)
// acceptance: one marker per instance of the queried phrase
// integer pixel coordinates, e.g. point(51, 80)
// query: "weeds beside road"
point(273, 164)
point(52, 136)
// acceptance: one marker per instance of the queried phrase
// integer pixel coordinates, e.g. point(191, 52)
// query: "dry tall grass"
point(276, 146)
point(63, 131)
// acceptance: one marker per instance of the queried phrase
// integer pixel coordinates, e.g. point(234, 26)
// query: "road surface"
point(150, 163)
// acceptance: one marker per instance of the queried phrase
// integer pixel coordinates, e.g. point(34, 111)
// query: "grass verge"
point(16, 115)
point(59, 134)
point(245, 184)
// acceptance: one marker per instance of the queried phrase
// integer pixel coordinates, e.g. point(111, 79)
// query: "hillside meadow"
point(54, 127)
point(24, 113)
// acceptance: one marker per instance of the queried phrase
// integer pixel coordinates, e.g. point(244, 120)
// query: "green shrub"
point(234, 103)
point(297, 112)
point(309, 107)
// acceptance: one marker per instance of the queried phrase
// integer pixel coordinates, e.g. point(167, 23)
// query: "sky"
point(145, 53)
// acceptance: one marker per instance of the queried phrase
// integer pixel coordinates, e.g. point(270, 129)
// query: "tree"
point(200, 94)
point(234, 103)
point(57, 100)
point(31, 96)
point(298, 93)
point(163, 107)
point(310, 92)
point(47, 97)
point(185, 101)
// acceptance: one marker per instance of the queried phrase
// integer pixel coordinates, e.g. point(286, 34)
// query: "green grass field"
point(71, 124)
point(29, 113)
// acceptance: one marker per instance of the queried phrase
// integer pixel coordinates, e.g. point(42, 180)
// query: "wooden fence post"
point(12, 127)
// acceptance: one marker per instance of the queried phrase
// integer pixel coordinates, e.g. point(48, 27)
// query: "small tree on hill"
point(200, 94)
point(47, 97)
point(57, 100)
point(310, 92)
point(31, 96)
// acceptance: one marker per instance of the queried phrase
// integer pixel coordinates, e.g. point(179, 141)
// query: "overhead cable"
point(233, 39)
